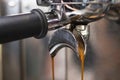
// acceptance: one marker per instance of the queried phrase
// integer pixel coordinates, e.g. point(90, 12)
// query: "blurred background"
point(29, 59)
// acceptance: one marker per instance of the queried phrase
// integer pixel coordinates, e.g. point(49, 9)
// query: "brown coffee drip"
point(81, 49)
point(53, 70)
point(81, 56)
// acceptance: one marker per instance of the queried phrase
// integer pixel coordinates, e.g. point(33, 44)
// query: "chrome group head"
point(68, 19)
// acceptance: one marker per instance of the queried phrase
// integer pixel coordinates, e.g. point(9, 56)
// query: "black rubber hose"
point(22, 26)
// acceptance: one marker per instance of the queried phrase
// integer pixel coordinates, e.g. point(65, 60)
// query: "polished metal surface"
point(65, 39)
point(90, 13)
point(105, 42)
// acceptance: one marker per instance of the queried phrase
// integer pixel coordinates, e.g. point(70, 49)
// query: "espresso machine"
point(92, 23)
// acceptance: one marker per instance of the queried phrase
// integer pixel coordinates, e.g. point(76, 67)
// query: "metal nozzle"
point(64, 38)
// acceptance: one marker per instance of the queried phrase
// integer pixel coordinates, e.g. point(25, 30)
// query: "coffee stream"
point(81, 49)
point(53, 69)
point(81, 56)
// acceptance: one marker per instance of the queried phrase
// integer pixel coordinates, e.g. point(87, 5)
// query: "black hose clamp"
point(43, 22)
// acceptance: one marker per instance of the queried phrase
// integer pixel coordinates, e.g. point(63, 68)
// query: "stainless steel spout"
point(65, 38)
point(62, 38)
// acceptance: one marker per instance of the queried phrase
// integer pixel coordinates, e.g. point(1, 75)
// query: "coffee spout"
point(65, 38)
point(62, 38)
